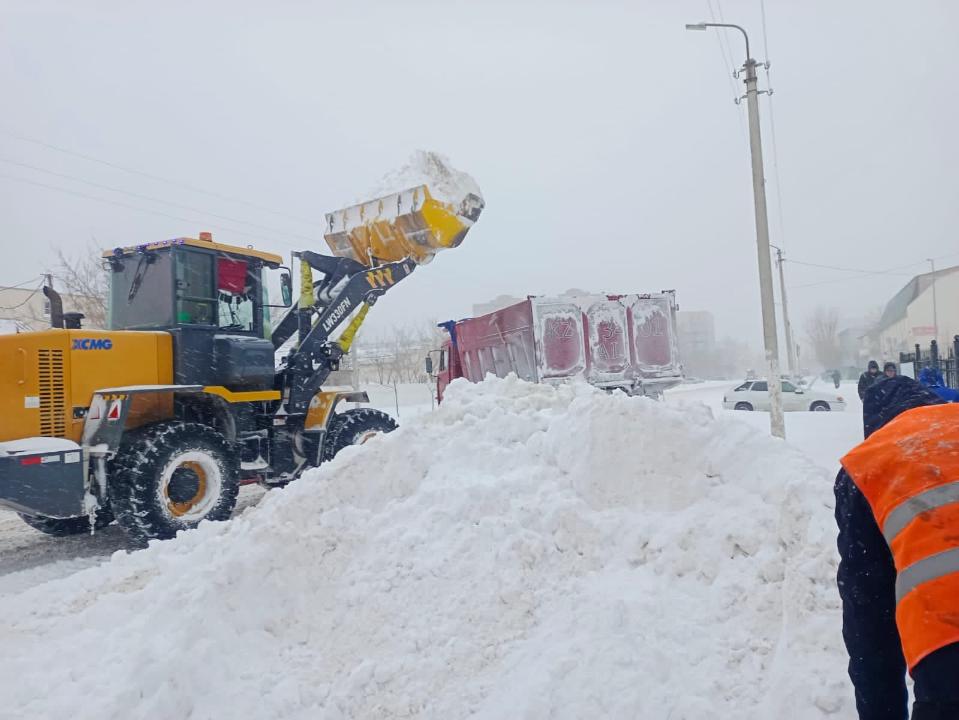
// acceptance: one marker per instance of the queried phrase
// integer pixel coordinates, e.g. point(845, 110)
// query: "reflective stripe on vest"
point(908, 510)
point(936, 566)
point(908, 472)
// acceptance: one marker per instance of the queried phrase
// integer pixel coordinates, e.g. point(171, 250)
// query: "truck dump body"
point(612, 341)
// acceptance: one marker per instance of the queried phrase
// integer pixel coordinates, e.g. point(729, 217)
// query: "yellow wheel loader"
point(157, 421)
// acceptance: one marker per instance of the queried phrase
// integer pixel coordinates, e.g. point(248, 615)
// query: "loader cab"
point(211, 297)
point(190, 283)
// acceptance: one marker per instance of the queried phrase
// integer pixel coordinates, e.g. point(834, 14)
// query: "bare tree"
point(84, 281)
point(398, 355)
point(822, 328)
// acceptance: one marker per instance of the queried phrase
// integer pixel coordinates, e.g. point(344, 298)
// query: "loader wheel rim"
point(190, 485)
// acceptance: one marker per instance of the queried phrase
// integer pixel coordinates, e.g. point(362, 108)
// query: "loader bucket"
point(408, 224)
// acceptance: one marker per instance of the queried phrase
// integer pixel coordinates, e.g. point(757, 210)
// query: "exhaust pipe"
point(56, 306)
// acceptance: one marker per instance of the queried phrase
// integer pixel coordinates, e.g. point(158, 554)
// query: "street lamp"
point(770, 337)
point(705, 25)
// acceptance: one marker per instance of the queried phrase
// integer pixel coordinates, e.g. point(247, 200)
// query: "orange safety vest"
point(909, 473)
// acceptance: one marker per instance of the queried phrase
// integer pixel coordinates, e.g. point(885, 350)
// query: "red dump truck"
point(621, 342)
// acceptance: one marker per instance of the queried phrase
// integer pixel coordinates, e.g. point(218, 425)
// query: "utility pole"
point(935, 309)
point(777, 422)
point(787, 326)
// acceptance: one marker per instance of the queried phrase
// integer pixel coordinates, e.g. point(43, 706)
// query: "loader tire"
point(169, 476)
point(64, 527)
point(355, 427)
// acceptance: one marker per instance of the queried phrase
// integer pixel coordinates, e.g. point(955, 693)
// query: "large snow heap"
point(523, 552)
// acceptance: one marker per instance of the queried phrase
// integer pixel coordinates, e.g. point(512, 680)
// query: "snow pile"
point(523, 552)
point(446, 183)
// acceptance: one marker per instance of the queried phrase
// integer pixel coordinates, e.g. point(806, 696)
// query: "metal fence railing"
point(947, 364)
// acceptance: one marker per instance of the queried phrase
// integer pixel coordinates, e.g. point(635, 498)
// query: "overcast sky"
point(603, 135)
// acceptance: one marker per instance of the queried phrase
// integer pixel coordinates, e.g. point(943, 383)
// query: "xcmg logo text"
point(92, 343)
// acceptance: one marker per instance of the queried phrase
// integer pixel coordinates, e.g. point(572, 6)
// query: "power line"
point(728, 63)
point(126, 205)
point(159, 178)
point(26, 300)
point(836, 280)
point(19, 285)
point(772, 130)
point(154, 199)
point(891, 272)
point(855, 270)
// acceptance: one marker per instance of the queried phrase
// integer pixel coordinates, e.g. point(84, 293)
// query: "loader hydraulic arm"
point(316, 356)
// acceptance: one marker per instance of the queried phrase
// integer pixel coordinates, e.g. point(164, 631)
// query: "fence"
point(948, 366)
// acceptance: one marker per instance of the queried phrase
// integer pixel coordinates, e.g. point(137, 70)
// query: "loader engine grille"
point(52, 393)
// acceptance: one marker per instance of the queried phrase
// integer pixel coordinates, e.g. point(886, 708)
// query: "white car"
point(754, 395)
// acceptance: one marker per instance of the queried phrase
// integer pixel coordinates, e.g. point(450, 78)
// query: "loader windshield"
point(141, 292)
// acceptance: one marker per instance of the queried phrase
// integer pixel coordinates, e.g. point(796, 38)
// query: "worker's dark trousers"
point(935, 711)
point(937, 685)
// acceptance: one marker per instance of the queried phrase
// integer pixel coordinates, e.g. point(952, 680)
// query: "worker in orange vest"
point(897, 507)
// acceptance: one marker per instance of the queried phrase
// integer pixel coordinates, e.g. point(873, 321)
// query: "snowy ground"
point(509, 555)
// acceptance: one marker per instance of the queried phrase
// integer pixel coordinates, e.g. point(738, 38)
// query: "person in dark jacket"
point(932, 379)
point(867, 586)
point(868, 378)
point(890, 370)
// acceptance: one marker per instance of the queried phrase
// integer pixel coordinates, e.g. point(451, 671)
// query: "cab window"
point(140, 291)
point(196, 301)
point(216, 291)
point(234, 290)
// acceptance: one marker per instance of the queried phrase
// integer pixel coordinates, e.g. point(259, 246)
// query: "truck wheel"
point(355, 427)
point(169, 476)
point(62, 527)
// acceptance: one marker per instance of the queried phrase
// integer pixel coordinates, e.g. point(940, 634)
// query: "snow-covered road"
point(28, 557)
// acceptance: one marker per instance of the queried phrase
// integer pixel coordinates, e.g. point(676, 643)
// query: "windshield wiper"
point(141, 270)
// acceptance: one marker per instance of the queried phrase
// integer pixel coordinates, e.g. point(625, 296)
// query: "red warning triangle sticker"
point(114, 413)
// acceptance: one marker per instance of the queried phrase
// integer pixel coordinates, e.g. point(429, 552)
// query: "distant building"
point(697, 342)
point(908, 318)
point(854, 347)
point(29, 309)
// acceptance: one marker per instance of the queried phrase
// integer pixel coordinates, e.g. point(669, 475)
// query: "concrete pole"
point(777, 422)
point(935, 309)
point(790, 347)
